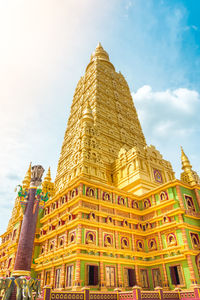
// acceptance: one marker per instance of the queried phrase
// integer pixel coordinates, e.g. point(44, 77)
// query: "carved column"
point(42, 278)
point(137, 275)
point(160, 241)
point(133, 241)
point(153, 200)
point(119, 272)
point(77, 275)
point(197, 196)
point(191, 269)
point(62, 277)
point(178, 190)
point(79, 234)
point(52, 281)
point(165, 276)
point(27, 235)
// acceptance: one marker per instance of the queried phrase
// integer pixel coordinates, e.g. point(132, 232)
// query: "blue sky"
point(45, 48)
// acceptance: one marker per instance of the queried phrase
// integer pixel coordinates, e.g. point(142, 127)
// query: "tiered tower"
point(104, 140)
point(116, 216)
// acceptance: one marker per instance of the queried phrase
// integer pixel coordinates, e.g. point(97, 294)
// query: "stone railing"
point(192, 213)
point(136, 294)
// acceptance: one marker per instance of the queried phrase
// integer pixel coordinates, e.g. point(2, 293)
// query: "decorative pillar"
point(184, 237)
point(62, 277)
point(166, 284)
point(160, 241)
point(180, 198)
point(137, 275)
point(77, 283)
point(23, 259)
point(116, 240)
point(133, 241)
point(119, 271)
point(79, 234)
point(197, 196)
point(160, 291)
point(191, 269)
point(102, 279)
point(100, 234)
point(42, 278)
point(52, 277)
point(153, 200)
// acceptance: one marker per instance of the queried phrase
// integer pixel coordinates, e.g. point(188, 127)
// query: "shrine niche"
point(90, 192)
point(157, 176)
point(109, 220)
point(125, 223)
point(139, 226)
point(148, 226)
point(152, 244)
point(134, 204)
point(166, 219)
point(61, 241)
point(140, 245)
point(64, 199)
point(51, 245)
point(72, 237)
point(190, 203)
point(163, 196)
point(42, 249)
point(108, 240)
point(171, 240)
point(90, 237)
point(124, 243)
point(106, 196)
point(74, 192)
point(147, 203)
point(195, 240)
point(121, 200)
point(92, 216)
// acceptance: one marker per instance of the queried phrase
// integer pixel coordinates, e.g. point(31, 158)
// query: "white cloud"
point(181, 99)
point(169, 119)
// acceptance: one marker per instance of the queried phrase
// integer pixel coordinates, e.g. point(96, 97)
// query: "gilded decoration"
point(163, 196)
point(157, 176)
point(108, 240)
point(140, 245)
point(124, 243)
point(147, 203)
point(189, 203)
point(171, 240)
point(90, 237)
point(152, 245)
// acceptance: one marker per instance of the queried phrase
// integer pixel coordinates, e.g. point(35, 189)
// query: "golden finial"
point(27, 178)
point(48, 175)
point(185, 161)
point(48, 185)
point(188, 175)
point(99, 53)
point(99, 45)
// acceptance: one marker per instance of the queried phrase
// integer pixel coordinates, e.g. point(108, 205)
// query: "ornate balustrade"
point(135, 294)
point(192, 213)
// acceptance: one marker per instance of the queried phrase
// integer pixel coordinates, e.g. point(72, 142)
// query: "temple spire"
point(188, 175)
point(100, 53)
point(27, 178)
point(48, 185)
point(185, 161)
point(48, 175)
